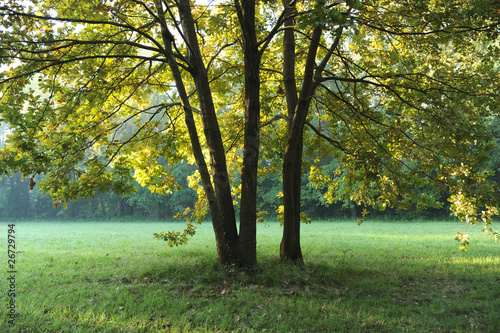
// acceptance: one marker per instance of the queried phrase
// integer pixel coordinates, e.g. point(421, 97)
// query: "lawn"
point(377, 277)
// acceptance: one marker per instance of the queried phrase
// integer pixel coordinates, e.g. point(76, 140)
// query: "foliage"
point(79, 117)
point(145, 205)
point(109, 96)
point(176, 238)
point(404, 109)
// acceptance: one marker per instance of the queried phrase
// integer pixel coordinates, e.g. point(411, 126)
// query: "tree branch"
point(6, 11)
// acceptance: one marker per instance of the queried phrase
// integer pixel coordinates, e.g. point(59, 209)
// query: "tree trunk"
point(213, 136)
point(232, 248)
point(119, 207)
point(247, 247)
point(219, 194)
point(292, 173)
point(157, 211)
point(354, 209)
point(292, 161)
point(223, 255)
point(290, 244)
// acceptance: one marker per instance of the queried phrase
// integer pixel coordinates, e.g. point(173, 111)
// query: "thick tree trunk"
point(247, 247)
point(220, 176)
point(232, 248)
point(292, 161)
point(292, 173)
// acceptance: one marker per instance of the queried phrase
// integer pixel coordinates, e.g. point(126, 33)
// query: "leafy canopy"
point(402, 103)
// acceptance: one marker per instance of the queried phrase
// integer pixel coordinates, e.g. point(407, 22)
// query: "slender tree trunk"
point(102, 203)
point(354, 209)
point(213, 136)
point(290, 244)
point(157, 211)
point(223, 252)
point(292, 161)
point(119, 207)
point(247, 247)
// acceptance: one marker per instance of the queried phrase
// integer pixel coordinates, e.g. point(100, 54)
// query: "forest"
point(18, 202)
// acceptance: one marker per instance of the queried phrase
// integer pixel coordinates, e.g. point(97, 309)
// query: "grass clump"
point(378, 277)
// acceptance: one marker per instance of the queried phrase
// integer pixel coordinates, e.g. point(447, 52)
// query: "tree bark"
point(290, 244)
point(225, 242)
point(247, 247)
point(292, 161)
point(298, 109)
point(213, 136)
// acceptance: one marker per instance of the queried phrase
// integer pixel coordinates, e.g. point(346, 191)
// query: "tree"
point(97, 63)
point(97, 92)
point(14, 198)
point(401, 91)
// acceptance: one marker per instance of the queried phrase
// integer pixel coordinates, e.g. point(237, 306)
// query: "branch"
point(357, 113)
point(9, 12)
point(324, 62)
point(75, 42)
point(129, 140)
point(276, 118)
point(456, 30)
point(265, 42)
point(62, 62)
point(218, 52)
point(327, 138)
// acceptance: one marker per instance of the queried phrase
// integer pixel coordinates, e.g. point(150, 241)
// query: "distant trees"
point(17, 202)
point(14, 197)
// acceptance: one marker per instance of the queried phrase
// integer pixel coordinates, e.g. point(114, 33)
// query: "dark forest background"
point(18, 202)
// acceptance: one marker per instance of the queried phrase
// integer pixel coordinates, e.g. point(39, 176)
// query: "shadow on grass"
point(343, 293)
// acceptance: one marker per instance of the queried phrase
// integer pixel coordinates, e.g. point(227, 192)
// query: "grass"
point(377, 277)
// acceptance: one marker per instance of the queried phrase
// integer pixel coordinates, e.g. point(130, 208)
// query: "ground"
point(377, 277)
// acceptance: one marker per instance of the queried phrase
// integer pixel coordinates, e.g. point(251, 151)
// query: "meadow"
point(376, 277)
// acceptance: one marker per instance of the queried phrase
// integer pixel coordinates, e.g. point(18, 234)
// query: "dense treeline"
point(17, 202)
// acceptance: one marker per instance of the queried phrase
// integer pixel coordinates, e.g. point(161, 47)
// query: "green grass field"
point(377, 277)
